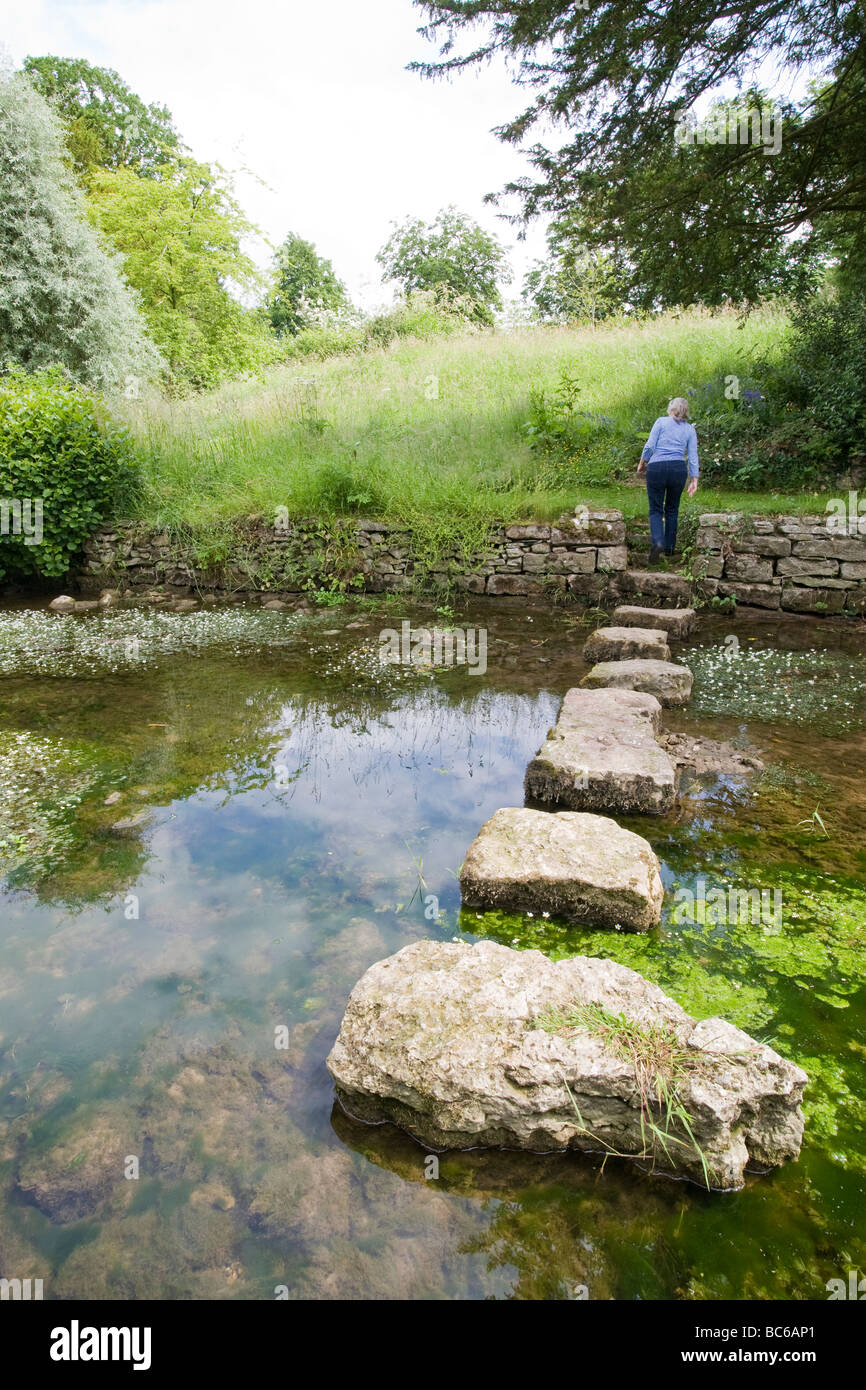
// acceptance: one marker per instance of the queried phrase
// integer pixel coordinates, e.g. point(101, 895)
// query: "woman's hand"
point(693, 486)
point(641, 465)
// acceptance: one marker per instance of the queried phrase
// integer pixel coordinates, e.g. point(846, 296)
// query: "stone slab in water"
point(655, 585)
point(676, 622)
point(439, 1039)
point(571, 864)
point(602, 755)
point(671, 684)
point(623, 643)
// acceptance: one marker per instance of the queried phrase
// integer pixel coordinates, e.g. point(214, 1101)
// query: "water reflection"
point(300, 812)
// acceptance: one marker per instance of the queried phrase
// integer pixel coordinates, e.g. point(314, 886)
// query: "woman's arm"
point(694, 468)
point(649, 447)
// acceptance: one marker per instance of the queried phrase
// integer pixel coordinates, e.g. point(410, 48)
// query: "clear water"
point(297, 806)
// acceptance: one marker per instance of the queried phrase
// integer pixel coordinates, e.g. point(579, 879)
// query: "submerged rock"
point(603, 755)
point(72, 1178)
point(623, 643)
point(671, 684)
point(676, 622)
point(709, 757)
point(580, 867)
point(468, 1046)
point(130, 824)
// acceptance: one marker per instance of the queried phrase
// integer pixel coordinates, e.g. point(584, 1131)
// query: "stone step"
point(671, 684)
point(572, 865)
point(603, 756)
point(462, 1046)
point(676, 622)
point(655, 584)
point(623, 643)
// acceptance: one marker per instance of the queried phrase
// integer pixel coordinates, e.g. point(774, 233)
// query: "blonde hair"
point(679, 408)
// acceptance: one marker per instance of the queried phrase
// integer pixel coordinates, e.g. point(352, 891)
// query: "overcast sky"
point(314, 100)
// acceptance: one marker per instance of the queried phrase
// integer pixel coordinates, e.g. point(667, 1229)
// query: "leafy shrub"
point(59, 456)
point(756, 438)
point(338, 487)
point(823, 371)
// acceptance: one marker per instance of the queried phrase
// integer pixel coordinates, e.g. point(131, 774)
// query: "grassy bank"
point(432, 432)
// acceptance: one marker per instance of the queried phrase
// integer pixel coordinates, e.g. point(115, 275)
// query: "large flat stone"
point(514, 585)
point(603, 756)
point(676, 622)
point(671, 684)
point(655, 585)
point(803, 600)
point(622, 643)
point(451, 1042)
point(754, 595)
point(749, 569)
point(576, 866)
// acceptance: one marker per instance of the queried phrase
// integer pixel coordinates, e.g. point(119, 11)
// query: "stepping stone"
point(676, 622)
point(655, 584)
point(603, 755)
point(572, 865)
point(460, 1045)
point(671, 684)
point(622, 643)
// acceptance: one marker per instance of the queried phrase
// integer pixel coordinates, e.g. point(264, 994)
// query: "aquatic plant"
point(825, 690)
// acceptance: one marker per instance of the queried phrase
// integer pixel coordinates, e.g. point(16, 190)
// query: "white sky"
point(312, 98)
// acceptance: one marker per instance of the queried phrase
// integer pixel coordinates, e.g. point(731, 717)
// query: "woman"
point(672, 440)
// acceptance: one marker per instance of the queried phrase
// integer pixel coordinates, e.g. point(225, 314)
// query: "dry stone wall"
point(795, 564)
point(799, 564)
point(527, 561)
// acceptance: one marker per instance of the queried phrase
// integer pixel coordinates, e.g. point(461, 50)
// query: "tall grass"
point(427, 430)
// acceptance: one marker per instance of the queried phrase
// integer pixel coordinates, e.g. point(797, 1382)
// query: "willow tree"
point(63, 297)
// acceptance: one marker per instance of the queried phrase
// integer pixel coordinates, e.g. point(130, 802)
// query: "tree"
point(180, 232)
point(453, 254)
point(304, 284)
point(574, 285)
point(728, 220)
point(63, 298)
point(107, 125)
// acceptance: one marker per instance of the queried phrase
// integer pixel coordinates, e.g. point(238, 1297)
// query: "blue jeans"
point(665, 481)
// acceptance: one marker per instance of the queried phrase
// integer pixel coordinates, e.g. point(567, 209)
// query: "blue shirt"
point(672, 439)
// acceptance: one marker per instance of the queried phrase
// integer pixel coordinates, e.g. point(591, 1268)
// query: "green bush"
point(62, 467)
point(339, 486)
point(823, 370)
